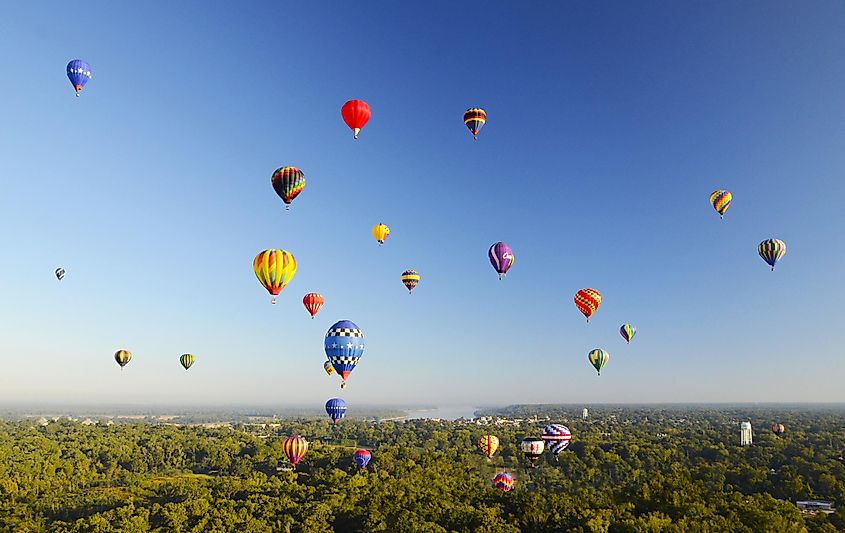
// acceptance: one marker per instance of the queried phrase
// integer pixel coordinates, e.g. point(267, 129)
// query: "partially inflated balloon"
point(556, 437)
point(344, 347)
point(587, 301)
point(501, 257)
point(410, 278)
point(336, 409)
point(356, 113)
point(362, 458)
point(381, 232)
point(288, 182)
point(721, 201)
point(474, 119)
point(628, 331)
point(122, 357)
point(78, 72)
point(598, 358)
point(504, 482)
point(313, 301)
point(274, 269)
point(771, 251)
point(187, 359)
point(295, 448)
point(488, 444)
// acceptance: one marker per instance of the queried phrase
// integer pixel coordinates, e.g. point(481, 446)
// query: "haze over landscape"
point(607, 131)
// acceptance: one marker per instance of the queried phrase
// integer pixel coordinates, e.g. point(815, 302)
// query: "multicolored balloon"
point(587, 301)
point(327, 366)
point(274, 269)
point(627, 331)
point(288, 182)
point(78, 72)
point(60, 273)
point(721, 201)
point(598, 358)
point(356, 113)
point(410, 278)
point(313, 301)
point(532, 448)
point(488, 444)
point(295, 448)
point(187, 360)
point(771, 250)
point(501, 257)
point(362, 458)
point(556, 437)
point(504, 482)
point(344, 346)
point(122, 357)
point(778, 429)
point(381, 232)
point(336, 409)
point(474, 119)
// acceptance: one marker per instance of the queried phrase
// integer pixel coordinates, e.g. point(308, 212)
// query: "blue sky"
point(608, 128)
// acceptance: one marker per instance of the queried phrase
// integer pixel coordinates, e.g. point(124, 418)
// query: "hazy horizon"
point(608, 128)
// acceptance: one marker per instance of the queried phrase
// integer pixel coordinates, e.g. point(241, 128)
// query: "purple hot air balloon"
point(501, 257)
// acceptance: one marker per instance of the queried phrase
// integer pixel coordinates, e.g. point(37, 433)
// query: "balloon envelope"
point(556, 437)
point(587, 301)
point(771, 250)
point(344, 346)
point(410, 278)
point(627, 331)
point(122, 357)
point(288, 182)
point(362, 458)
point(356, 113)
point(504, 481)
point(187, 359)
point(501, 257)
point(60, 273)
point(381, 232)
point(313, 301)
point(598, 358)
point(294, 448)
point(336, 409)
point(474, 119)
point(721, 201)
point(488, 444)
point(78, 72)
point(274, 270)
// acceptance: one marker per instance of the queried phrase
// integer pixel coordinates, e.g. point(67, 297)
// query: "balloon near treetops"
point(295, 448)
point(274, 270)
point(381, 232)
point(532, 448)
point(556, 437)
point(504, 482)
point(488, 444)
point(288, 182)
point(362, 458)
point(356, 114)
point(336, 409)
point(344, 345)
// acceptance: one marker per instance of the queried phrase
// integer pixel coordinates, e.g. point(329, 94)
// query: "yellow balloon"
point(274, 269)
point(488, 444)
point(381, 232)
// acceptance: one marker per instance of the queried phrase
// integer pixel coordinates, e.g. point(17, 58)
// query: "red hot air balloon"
point(313, 301)
point(355, 113)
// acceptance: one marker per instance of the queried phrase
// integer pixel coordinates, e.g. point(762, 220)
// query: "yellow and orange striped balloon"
point(274, 269)
point(295, 448)
point(488, 444)
point(587, 301)
point(721, 201)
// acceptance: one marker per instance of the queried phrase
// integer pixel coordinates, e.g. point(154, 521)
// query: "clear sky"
point(608, 127)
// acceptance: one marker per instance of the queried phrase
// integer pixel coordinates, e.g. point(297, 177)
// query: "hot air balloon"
point(532, 448)
point(504, 482)
point(288, 182)
point(295, 448)
point(627, 331)
point(362, 458)
point(78, 72)
point(381, 232)
point(771, 251)
point(122, 357)
point(501, 257)
point(410, 278)
point(556, 437)
point(488, 444)
point(355, 113)
point(336, 409)
point(274, 269)
point(313, 301)
point(598, 358)
point(587, 301)
point(721, 201)
point(475, 118)
point(327, 366)
point(344, 347)
point(778, 429)
point(60, 273)
point(187, 359)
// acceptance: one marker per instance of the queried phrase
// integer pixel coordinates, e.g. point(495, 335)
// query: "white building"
point(585, 414)
point(745, 437)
